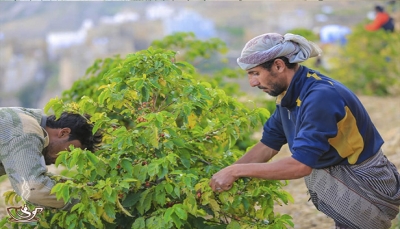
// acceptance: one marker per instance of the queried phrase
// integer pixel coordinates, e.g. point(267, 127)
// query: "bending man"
point(333, 142)
point(29, 141)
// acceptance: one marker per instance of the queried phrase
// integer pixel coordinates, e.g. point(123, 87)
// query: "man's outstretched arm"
point(251, 165)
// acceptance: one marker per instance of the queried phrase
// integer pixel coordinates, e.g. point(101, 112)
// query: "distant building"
point(190, 21)
point(61, 40)
point(120, 18)
point(159, 12)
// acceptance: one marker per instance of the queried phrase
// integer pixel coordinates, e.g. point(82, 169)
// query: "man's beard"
point(278, 87)
point(45, 153)
point(276, 90)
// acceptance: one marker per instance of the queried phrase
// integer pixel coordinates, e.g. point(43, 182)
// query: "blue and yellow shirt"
point(323, 122)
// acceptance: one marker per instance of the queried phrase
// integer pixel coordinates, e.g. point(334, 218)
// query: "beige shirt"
point(22, 141)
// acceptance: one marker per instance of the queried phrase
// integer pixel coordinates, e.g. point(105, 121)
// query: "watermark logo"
point(23, 214)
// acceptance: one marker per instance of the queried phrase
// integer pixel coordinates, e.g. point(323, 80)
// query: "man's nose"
point(253, 81)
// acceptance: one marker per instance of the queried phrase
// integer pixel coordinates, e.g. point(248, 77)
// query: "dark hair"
point(268, 65)
point(379, 8)
point(81, 129)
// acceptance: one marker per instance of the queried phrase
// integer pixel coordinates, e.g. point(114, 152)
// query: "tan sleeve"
point(38, 193)
point(25, 166)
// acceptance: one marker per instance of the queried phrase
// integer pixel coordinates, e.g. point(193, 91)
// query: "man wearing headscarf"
point(334, 144)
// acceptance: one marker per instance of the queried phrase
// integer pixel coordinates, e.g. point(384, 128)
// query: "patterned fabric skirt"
point(363, 196)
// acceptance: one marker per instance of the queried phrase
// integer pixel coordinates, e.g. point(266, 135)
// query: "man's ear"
point(64, 132)
point(279, 64)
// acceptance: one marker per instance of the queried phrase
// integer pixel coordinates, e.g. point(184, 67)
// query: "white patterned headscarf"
point(268, 46)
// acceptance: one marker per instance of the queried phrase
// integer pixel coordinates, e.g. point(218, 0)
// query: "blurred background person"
point(382, 21)
point(331, 35)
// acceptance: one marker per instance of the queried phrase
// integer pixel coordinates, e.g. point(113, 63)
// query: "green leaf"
point(9, 196)
point(145, 201)
point(178, 142)
point(140, 172)
point(109, 210)
point(187, 110)
point(101, 168)
point(139, 84)
point(159, 195)
point(233, 225)
point(176, 220)
point(177, 191)
point(169, 188)
point(96, 126)
point(74, 158)
point(150, 70)
point(214, 205)
point(92, 158)
point(127, 165)
point(56, 217)
point(56, 188)
point(153, 169)
point(65, 193)
point(105, 94)
point(154, 138)
point(77, 206)
point(185, 158)
point(245, 203)
point(70, 217)
point(167, 214)
point(50, 104)
point(139, 223)
point(179, 211)
point(160, 117)
point(42, 223)
point(169, 144)
point(120, 207)
point(3, 222)
point(145, 94)
point(177, 70)
point(108, 190)
point(131, 199)
point(61, 158)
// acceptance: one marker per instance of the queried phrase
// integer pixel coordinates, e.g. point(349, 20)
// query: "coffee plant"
point(165, 134)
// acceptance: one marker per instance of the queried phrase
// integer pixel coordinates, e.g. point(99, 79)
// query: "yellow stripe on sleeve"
point(348, 142)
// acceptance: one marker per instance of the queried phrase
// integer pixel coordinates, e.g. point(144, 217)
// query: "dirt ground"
point(385, 113)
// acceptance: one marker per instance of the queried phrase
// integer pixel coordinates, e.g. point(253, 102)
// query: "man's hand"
point(284, 169)
point(223, 180)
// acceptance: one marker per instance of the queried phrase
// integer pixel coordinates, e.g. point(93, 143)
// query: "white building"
point(159, 12)
point(120, 18)
point(190, 21)
point(60, 40)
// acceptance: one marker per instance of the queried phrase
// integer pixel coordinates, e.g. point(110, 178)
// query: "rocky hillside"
point(44, 68)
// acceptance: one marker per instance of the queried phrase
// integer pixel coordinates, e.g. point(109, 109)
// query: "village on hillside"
point(58, 60)
point(46, 65)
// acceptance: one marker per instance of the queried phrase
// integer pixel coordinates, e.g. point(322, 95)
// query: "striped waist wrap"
point(363, 196)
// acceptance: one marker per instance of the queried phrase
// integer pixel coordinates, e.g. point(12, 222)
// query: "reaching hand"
point(223, 180)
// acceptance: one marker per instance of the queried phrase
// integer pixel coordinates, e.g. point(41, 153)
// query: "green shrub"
point(369, 63)
point(165, 134)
